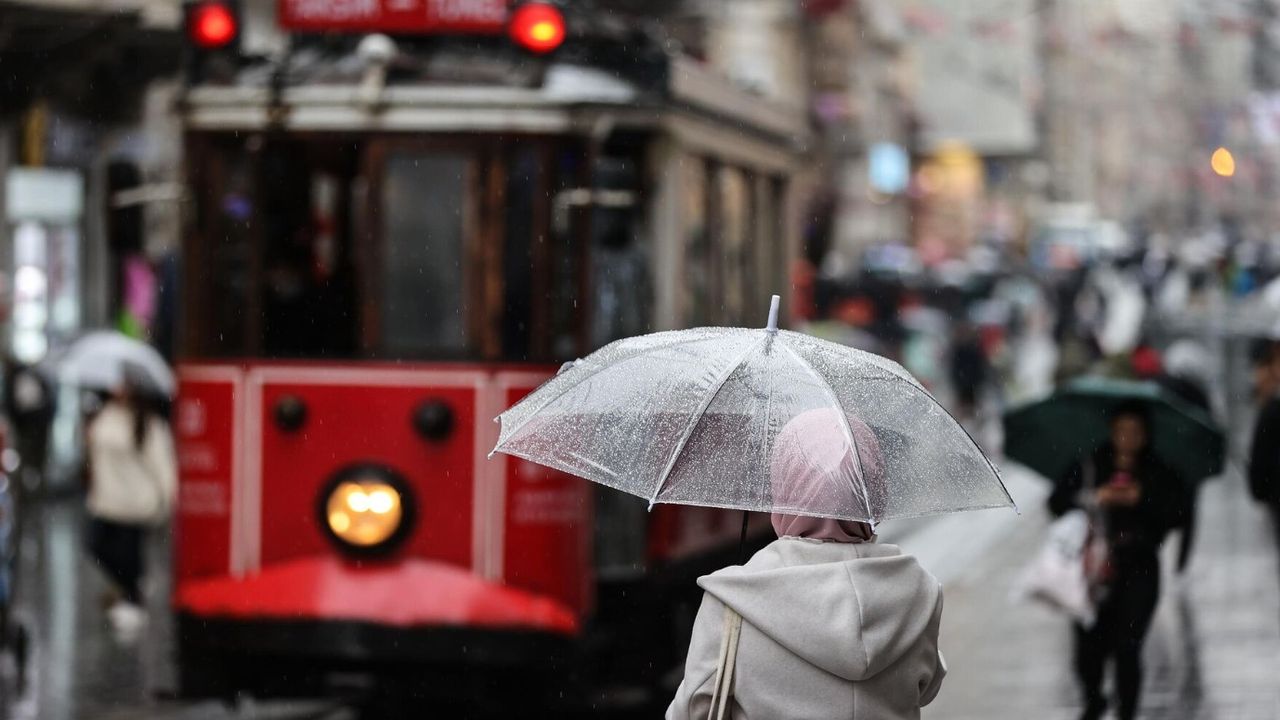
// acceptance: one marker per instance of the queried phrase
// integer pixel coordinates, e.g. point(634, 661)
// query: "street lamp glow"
point(1222, 162)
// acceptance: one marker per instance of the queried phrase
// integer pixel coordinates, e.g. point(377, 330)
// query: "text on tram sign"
point(396, 16)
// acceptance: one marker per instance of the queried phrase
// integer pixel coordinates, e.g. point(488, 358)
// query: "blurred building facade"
point(978, 71)
point(1009, 110)
point(1138, 95)
point(990, 110)
point(87, 139)
point(85, 114)
point(861, 99)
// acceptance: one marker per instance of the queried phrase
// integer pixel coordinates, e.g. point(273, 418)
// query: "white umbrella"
point(695, 417)
point(102, 360)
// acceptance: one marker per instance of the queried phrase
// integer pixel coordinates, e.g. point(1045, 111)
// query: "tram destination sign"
point(395, 16)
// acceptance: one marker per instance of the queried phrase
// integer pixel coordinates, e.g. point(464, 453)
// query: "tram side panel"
point(547, 520)
point(205, 433)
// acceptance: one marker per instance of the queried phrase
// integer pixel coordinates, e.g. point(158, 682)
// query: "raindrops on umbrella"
point(695, 416)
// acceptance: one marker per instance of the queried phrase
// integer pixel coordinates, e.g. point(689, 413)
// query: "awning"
point(89, 59)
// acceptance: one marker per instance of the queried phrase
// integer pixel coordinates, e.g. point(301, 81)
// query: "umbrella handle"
point(774, 302)
point(742, 538)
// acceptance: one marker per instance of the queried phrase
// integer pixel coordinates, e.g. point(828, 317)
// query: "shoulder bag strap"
point(722, 696)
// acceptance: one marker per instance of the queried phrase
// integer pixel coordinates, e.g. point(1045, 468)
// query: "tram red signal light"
point(537, 27)
point(212, 25)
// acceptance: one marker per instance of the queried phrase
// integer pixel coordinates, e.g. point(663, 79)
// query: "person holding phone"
point(1135, 499)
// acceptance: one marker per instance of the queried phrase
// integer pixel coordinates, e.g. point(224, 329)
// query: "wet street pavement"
point(1214, 650)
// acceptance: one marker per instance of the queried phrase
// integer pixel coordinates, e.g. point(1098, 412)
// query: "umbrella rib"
point(697, 416)
point(597, 371)
point(765, 446)
point(844, 425)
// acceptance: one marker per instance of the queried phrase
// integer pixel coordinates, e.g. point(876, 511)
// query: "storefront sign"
point(888, 168)
point(394, 16)
point(44, 194)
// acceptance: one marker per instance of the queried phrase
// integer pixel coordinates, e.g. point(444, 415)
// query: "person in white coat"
point(833, 624)
point(132, 481)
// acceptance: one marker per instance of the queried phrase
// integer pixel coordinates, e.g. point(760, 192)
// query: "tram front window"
point(424, 287)
point(397, 248)
point(272, 273)
point(307, 283)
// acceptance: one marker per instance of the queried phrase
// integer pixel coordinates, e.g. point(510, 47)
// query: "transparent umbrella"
point(697, 416)
point(103, 360)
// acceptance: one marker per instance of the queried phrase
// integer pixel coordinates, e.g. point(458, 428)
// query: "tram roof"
point(567, 98)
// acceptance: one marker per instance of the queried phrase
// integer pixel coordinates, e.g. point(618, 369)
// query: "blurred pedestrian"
point(29, 405)
point(969, 369)
point(832, 625)
point(1145, 362)
point(132, 476)
point(1265, 380)
point(1264, 456)
point(1184, 376)
point(1134, 499)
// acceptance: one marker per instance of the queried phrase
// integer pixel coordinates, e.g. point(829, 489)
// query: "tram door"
point(272, 271)
point(307, 283)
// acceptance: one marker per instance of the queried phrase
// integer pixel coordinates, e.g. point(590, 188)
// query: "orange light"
point(364, 513)
point(537, 27)
point(212, 25)
point(1222, 162)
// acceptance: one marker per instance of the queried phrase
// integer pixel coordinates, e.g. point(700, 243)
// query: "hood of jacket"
point(851, 609)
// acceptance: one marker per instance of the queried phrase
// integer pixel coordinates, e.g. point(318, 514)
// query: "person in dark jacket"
point(1264, 457)
point(29, 404)
point(969, 369)
point(1135, 499)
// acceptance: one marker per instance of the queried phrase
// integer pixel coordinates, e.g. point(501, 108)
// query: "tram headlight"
point(366, 509)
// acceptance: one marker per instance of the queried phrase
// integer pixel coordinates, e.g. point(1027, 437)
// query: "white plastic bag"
point(1057, 576)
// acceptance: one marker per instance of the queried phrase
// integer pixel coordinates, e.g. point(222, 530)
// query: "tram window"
point(229, 251)
point(779, 257)
point(308, 304)
point(565, 305)
point(523, 178)
point(620, 537)
point(697, 241)
point(768, 240)
point(735, 258)
point(424, 286)
point(619, 262)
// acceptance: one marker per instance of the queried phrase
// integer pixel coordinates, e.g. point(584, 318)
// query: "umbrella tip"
point(774, 302)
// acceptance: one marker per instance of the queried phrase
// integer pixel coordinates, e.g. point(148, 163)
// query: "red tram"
point(394, 238)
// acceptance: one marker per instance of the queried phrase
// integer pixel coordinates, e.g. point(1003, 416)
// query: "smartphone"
point(1121, 478)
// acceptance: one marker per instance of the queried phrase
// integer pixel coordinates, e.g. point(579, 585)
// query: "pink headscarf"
point(814, 467)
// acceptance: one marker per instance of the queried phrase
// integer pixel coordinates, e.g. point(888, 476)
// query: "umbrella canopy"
point(1051, 434)
point(701, 417)
point(102, 361)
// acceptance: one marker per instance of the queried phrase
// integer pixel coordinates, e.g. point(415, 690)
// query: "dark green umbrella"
point(1049, 435)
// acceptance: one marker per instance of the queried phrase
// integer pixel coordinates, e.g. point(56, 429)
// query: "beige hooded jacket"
point(129, 484)
point(829, 630)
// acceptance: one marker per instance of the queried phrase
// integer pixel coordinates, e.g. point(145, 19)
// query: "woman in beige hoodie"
point(833, 625)
point(132, 481)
